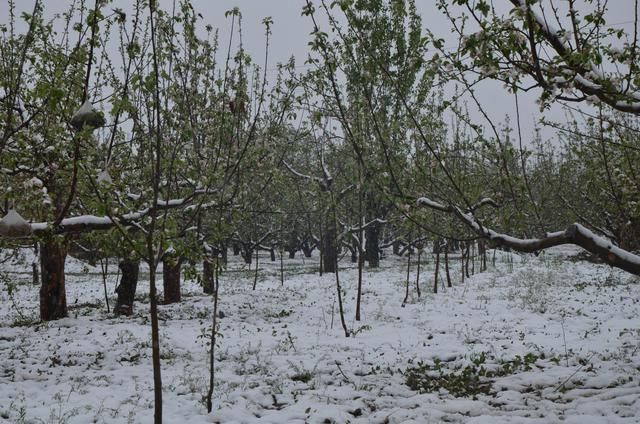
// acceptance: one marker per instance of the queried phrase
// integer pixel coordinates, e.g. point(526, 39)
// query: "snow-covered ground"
point(559, 339)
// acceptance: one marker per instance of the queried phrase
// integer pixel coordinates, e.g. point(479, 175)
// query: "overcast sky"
point(290, 35)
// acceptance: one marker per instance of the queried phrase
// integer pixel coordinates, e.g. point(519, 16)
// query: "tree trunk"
point(482, 250)
point(272, 253)
point(418, 273)
point(207, 276)
point(35, 274)
point(359, 294)
point(473, 259)
point(462, 261)
point(171, 278)
point(466, 257)
point(281, 266)
point(126, 290)
point(396, 248)
point(435, 278)
point(214, 329)
point(247, 254)
point(35, 268)
point(372, 243)
point(224, 253)
point(53, 298)
point(307, 250)
point(255, 279)
point(330, 249)
point(406, 293)
point(446, 265)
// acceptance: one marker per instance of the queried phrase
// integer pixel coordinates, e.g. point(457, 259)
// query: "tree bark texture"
point(330, 249)
point(127, 288)
point(207, 276)
point(247, 255)
point(171, 279)
point(372, 234)
point(307, 249)
point(53, 298)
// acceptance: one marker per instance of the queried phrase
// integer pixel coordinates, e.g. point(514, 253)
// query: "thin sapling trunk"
point(406, 294)
point(216, 285)
point(255, 278)
point(446, 265)
point(436, 274)
point(418, 273)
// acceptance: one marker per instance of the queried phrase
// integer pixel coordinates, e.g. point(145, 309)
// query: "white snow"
point(14, 224)
point(424, 201)
point(282, 357)
point(104, 178)
point(606, 244)
point(85, 109)
point(13, 218)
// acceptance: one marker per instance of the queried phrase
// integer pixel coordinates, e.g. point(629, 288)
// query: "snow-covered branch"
point(573, 234)
point(324, 183)
point(84, 223)
point(587, 78)
point(366, 225)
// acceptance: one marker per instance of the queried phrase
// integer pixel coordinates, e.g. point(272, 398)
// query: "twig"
point(341, 372)
point(564, 337)
point(575, 372)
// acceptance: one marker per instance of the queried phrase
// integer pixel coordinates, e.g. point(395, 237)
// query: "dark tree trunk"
point(396, 248)
point(272, 252)
point(247, 254)
point(255, 279)
point(418, 273)
point(35, 274)
point(455, 245)
point(482, 250)
point(126, 290)
point(171, 278)
point(330, 249)
point(281, 267)
point(207, 276)
point(473, 259)
point(446, 266)
point(236, 249)
point(467, 257)
point(354, 253)
point(435, 278)
point(372, 249)
point(35, 267)
point(359, 294)
point(53, 298)
point(291, 247)
point(224, 253)
point(462, 261)
point(406, 293)
point(307, 249)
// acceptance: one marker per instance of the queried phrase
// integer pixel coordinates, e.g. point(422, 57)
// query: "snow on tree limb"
point(324, 183)
point(573, 234)
point(586, 75)
point(84, 223)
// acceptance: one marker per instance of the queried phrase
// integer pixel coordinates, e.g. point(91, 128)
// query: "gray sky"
point(290, 35)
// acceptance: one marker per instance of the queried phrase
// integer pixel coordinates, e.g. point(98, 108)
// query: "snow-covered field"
point(539, 340)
